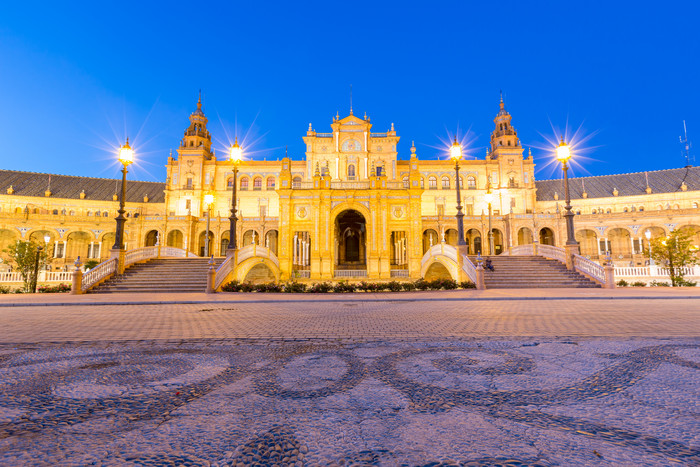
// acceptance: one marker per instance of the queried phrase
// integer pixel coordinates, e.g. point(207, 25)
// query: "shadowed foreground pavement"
point(350, 381)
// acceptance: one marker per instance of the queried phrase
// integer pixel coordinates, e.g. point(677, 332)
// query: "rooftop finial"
point(502, 104)
point(285, 151)
point(199, 101)
point(351, 99)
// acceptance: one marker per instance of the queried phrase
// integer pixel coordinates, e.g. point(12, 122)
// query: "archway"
point(430, 238)
point(77, 245)
point(202, 238)
point(151, 238)
point(437, 271)
point(497, 242)
point(108, 240)
point(260, 274)
point(350, 231)
point(271, 240)
point(225, 240)
point(588, 242)
point(451, 237)
point(250, 237)
point(525, 236)
point(7, 238)
point(175, 238)
point(546, 236)
point(620, 246)
point(693, 231)
point(473, 241)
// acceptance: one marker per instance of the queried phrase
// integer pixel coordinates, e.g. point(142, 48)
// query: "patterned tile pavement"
point(513, 383)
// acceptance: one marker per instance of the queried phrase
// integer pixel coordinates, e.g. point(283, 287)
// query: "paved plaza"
point(489, 378)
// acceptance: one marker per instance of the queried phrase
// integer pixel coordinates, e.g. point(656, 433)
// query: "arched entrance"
point(588, 242)
point(350, 233)
point(473, 241)
point(202, 243)
point(430, 238)
point(151, 238)
point(271, 240)
point(451, 237)
point(175, 238)
point(547, 236)
point(524, 236)
point(497, 242)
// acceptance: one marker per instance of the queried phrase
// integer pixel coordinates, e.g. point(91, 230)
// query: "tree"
point(675, 251)
point(24, 255)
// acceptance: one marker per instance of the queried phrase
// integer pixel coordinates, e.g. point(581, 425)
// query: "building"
point(350, 208)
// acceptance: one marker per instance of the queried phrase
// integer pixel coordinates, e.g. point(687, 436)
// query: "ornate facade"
point(351, 208)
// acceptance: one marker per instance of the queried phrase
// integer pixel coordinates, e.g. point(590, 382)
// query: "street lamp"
point(208, 200)
point(39, 248)
point(456, 155)
point(126, 157)
point(488, 197)
point(563, 156)
point(647, 234)
point(236, 156)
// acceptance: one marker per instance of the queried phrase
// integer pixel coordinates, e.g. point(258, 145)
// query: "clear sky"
point(77, 77)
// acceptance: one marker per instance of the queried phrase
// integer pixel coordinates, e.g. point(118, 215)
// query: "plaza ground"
point(532, 377)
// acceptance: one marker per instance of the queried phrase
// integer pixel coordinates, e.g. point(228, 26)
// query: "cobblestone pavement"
point(375, 383)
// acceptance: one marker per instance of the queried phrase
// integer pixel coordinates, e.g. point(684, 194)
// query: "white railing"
point(350, 273)
point(520, 250)
point(399, 273)
point(301, 274)
point(589, 268)
point(10, 277)
point(59, 276)
point(140, 254)
point(223, 271)
point(469, 268)
point(349, 185)
point(654, 271)
point(441, 249)
point(173, 252)
point(396, 185)
point(553, 252)
point(257, 251)
point(99, 273)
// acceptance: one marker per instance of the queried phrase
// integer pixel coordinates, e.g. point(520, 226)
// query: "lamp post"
point(647, 234)
point(563, 155)
point(236, 156)
point(488, 197)
point(208, 200)
point(39, 249)
point(456, 155)
point(126, 157)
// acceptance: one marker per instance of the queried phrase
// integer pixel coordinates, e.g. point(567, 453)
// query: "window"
point(445, 183)
point(263, 211)
point(625, 209)
point(244, 183)
point(405, 182)
point(188, 204)
point(229, 182)
point(695, 206)
point(351, 172)
point(641, 208)
point(432, 183)
point(422, 183)
point(189, 183)
point(440, 209)
point(296, 182)
point(89, 213)
point(55, 212)
point(270, 183)
point(105, 214)
point(471, 183)
point(608, 211)
point(63, 212)
point(257, 183)
point(594, 212)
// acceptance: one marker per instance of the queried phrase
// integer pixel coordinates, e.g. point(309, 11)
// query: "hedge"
point(347, 287)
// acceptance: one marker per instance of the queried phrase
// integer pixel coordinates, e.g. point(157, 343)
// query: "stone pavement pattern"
point(374, 383)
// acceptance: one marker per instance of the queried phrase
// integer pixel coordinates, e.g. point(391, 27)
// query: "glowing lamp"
point(236, 152)
point(208, 199)
point(126, 154)
point(47, 238)
point(456, 150)
point(563, 152)
point(488, 197)
point(647, 234)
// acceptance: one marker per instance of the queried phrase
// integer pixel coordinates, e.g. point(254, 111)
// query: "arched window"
point(89, 213)
point(405, 182)
point(624, 209)
point(608, 211)
point(71, 213)
point(422, 183)
point(695, 205)
point(633, 209)
point(270, 183)
point(432, 183)
point(244, 183)
point(189, 183)
point(63, 212)
point(55, 212)
point(641, 208)
point(471, 183)
point(105, 214)
point(296, 182)
point(351, 172)
point(445, 183)
point(257, 183)
point(229, 182)
point(594, 211)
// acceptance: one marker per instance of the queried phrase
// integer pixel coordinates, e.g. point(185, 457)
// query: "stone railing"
point(173, 252)
point(223, 271)
point(655, 271)
point(589, 268)
point(43, 276)
point(350, 273)
point(99, 273)
point(469, 268)
point(140, 254)
point(301, 274)
point(257, 251)
point(10, 277)
point(553, 252)
point(349, 185)
point(399, 273)
point(441, 249)
point(520, 250)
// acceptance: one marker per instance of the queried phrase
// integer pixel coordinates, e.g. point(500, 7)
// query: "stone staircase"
point(161, 276)
point(525, 272)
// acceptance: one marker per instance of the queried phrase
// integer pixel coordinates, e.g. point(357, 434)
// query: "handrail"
point(589, 268)
point(258, 251)
point(520, 250)
point(553, 252)
point(223, 271)
point(441, 249)
point(98, 273)
point(10, 277)
point(469, 268)
point(139, 254)
point(174, 252)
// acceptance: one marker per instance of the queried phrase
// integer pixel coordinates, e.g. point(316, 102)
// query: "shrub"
point(447, 284)
point(622, 283)
point(248, 287)
point(60, 288)
point(233, 286)
point(394, 286)
point(658, 284)
point(365, 286)
point(295, 287)
point(467, 285)
point(343, 287)
point(408, 286)
point(320, 287)
point(4, 289)
point(422, 284)
point(686, 283)
point(638, 284)
point(91, 263)
point(270, 287)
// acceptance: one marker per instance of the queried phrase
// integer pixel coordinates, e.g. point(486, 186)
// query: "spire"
point(285, 150)
point(351, 99)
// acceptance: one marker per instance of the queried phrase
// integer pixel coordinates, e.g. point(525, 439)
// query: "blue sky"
point(77, 78)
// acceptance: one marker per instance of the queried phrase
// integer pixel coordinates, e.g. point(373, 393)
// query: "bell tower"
point(504, 137)
point(197, 139)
